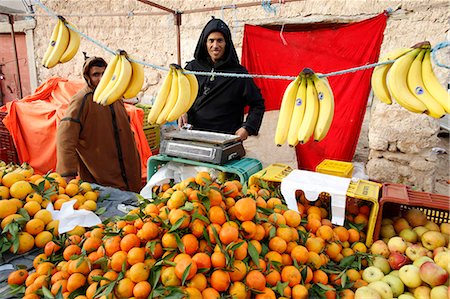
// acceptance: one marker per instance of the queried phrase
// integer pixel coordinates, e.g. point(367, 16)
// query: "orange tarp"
point(32, 123)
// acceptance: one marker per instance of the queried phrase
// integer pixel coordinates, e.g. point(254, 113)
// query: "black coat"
point(221, 101)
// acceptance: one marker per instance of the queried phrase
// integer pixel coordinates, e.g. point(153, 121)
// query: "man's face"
point(215, 44)
point(95, 74)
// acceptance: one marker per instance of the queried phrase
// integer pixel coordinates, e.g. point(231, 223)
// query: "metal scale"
point(209, 147)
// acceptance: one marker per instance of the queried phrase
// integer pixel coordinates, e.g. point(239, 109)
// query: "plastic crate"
point(397, 198)
point(243, 168)
point(8, 152)
point(337, 168)
point(146, 108)
point(360, 190)
point(152, 134)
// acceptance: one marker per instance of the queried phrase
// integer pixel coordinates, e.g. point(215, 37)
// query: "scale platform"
point(210, 147)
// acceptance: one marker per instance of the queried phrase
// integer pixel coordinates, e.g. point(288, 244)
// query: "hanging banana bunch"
point(121, 79)
point(63, 46)
point(307, 110)
point(411, 82)
point(176, 96)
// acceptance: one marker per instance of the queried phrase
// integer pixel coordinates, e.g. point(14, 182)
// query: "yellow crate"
point(272, 173)
point(337, 168)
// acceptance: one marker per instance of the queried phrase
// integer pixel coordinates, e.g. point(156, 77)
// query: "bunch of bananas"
point(63, 45)
point(411, 81)
point(121, 79)
point(176, 96)
point(307, 110)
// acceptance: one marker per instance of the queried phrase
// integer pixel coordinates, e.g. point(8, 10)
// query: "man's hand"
point(242, 132)
point(182, 120)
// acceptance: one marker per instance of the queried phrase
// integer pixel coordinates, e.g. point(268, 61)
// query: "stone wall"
point(400, 142)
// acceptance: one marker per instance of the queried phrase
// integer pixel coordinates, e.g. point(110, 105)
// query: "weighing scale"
point(203, 146)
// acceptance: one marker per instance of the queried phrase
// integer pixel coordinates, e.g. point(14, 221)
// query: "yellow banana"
point(379, 74)
point(171, 100)
point(72, 48)
point(194, 89)
point(52, 43)
point(297, 113)
point(109, 77)
point(136, 82)
point(121, 84)
point(416, 86)
point(161, 98)
point(287, 106)
point(432, 83)
point(398, 88)
point(183, 99)
point(326, 107)
point(311, 113)
point(62, 41)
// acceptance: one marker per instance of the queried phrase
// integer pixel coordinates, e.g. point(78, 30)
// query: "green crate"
point(243, 168)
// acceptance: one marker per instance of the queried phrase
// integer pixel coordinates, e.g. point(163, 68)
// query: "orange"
point(313, 225)
point(80, 265)
point(183, 264)
point(277, 244)
point(34, 226)
point(177, 214)
point(346, 294)
point(333, 249)
point(71, 250)
point(239, 271)
point(169, 278)
point(202, 260)
point(124, 288)
point(136, 255)
point(342, 233)
point(320, 276)
point(277, 218)
point(149, 231)
point(315, 259)
point(364, 210)
point(215, 198)
point(359, 247)
point(286, 233)
point(248, 229)
point(142, 290)
point(266, 294)
point(299, 292)
point(199, 282)
point(95, 272)
point(43, 238)
point(202, 178)
point(92, 244)
point(176, 200)
point(315, 244)
point(217, 215)
point(273, 277)
point(228, 234)
point(291, 274)
point(245, 209)
point(293, 218)
point(210, 293)
point(229, 189)
point(18, 277)
point(361, 219)
point(197, 227)
point(325, 232)
point(255, 280)
point(353, 235)
point(118, 259)
point(51, 247)
point(168, 240)
point(60, 285)
point(190, 243)
point(238, 290)
point(75, 281)
point(300, 254)
point(220, 280)
point(129, 241)
point(26, 243)
point(211, 228)
point(139, 272)
point(218, 259)
point(71, 189)
point(353, 274)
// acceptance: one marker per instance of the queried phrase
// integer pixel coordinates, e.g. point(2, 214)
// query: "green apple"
point(422, 260)
point(395, 283)
point(422, 292)
point(409, 274)
point(382, 288)
point(409, 235)
point(440, 292)
point(367, 293)
point(406, 295)
point(372, 273)
point(382, 264)
point(432, 240)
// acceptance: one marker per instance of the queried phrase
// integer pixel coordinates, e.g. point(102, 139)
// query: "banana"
point(417, 88)
point(432, 83)
point(171, 100)
point(287, 106)
point(311, 113)
point(326, 107)
point(136, 82)
point(297, 113)
point(62, 41)
point(52, 43)
point(194, 89)
point(379, 74)
point(121, 84)
point(109, 77)
point(161, 98)
point(183, 99)
point(72, 48)
point(398, 88)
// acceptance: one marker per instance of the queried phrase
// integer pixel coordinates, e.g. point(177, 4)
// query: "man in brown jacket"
point(96, 142)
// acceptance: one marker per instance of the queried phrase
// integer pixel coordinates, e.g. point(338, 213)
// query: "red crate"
point(396, 199)
point(8, 152)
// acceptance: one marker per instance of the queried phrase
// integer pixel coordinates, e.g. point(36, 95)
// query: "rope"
point(268, 6)
point(437, 48)
point(235, 75)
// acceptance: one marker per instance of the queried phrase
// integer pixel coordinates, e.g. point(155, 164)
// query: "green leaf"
point(253, 253)
point(185, 274)
point(272, 232)
point(47, 293)
point(180, 244)
point(344, 280)
point(197, 215)
point(24, 213)
point(100, 211)
point(347, 261)
point(177, 224)
point(325, 287)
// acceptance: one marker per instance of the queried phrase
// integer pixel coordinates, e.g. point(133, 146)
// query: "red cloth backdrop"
point(323, 50)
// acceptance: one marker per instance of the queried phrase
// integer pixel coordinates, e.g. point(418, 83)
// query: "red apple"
point(397, 260)
point(433, 274)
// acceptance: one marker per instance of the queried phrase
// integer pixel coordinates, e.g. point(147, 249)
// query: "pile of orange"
point(199, 239)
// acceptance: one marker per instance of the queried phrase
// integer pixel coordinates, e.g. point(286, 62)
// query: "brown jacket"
point(97, 142)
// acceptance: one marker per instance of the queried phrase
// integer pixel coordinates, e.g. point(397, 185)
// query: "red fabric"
point(323, 50)
point(32, 124)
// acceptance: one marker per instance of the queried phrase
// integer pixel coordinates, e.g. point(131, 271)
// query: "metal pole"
point(178, 24)
point(19, 82)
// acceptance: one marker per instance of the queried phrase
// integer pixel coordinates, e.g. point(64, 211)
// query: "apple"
point(396, 244)
point(381, 248)
point(409, 274)
point(422, 292)
point(430, 225)
point(409, 235)
point(442, 259)
point(432, 240)
point(366, 293)
point(394, 272)
point(397, 260)
point(415, 251)
point(422, 260)
point(401, 224)
point(386, 221)
point(433, 274)
point(387, 231)
point(382, 264)
point(382, 288)
point(395, 284)
point(420, 230)
point(406, 295)
point(439, 249)
point(371, 274)
point(445, 228)
point(416, 217)
point(440, 292)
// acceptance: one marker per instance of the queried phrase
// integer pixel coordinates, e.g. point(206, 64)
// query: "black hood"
point(201, 53)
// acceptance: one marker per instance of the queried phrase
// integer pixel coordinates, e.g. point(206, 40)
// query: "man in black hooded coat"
point(221, 101)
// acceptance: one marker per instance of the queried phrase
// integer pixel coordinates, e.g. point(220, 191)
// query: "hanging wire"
point(436, 48)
